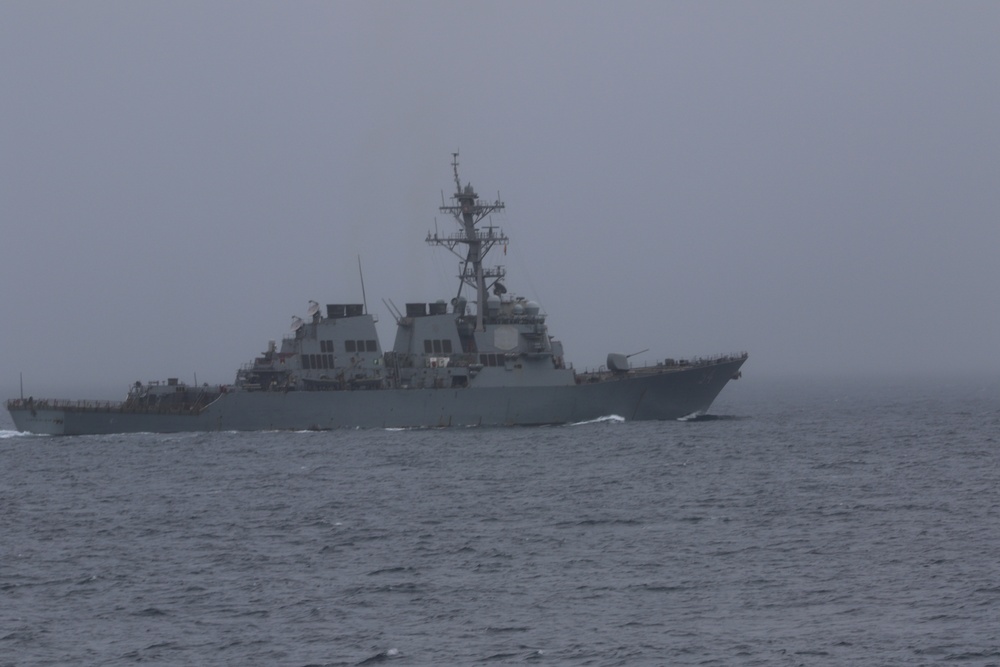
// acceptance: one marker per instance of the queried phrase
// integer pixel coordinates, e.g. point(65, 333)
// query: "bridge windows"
point(369, 345)
point(493, 359)
point(437, 346)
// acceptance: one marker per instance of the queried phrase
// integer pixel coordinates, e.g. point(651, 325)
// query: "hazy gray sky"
point(815, 183)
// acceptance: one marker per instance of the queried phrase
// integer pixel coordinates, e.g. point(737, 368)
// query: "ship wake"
point(606, 419)
point(707, 418)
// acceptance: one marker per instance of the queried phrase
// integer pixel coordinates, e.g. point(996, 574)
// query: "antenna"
point(364, 300)
point(393, 311)
point(22, 385)
point(396, 310)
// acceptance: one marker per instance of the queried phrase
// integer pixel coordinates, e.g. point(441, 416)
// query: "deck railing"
point(187, 407)
point(62, 404)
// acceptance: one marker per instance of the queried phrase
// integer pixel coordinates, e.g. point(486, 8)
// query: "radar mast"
point(469, 211)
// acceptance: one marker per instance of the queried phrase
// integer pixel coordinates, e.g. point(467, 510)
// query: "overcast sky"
point(815, 183)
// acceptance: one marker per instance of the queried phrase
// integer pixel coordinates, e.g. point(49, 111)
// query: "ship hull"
point(671, 394)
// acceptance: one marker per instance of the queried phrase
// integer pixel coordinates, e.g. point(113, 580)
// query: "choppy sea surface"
point(801, 523)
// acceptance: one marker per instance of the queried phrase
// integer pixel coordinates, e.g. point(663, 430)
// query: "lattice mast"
point(469, 211)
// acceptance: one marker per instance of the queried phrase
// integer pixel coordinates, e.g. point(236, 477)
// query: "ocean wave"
point(381, 656)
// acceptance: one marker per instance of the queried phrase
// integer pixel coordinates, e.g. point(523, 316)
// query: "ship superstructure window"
point(317, 362)
point(370, 345)
point(326, 346)
point(437, 346)
point(492, 359)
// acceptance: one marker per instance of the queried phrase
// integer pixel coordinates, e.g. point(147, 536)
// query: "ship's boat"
point(486, 362)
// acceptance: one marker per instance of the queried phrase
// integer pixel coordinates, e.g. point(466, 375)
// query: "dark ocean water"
point(804, 524)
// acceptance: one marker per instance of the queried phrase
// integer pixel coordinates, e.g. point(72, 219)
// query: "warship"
point(488, 361)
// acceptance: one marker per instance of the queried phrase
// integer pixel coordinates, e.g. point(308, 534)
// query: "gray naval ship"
point(490, 362)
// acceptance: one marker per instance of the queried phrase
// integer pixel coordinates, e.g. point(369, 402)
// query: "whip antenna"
point(361, 273)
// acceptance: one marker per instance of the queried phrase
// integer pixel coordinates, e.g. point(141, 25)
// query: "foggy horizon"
point(815, 184)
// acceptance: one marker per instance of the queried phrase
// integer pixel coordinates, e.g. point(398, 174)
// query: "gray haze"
point(815, 183)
